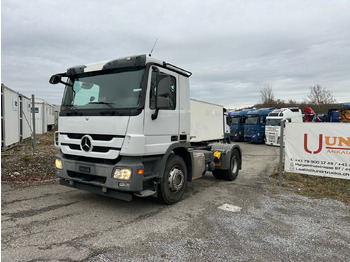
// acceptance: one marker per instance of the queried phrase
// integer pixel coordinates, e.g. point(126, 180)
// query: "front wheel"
point(174, 181)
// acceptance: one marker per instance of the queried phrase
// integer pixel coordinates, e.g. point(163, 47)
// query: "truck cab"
point(273, 123)
point(254, 128)
point(237, 121)
point(341, 115)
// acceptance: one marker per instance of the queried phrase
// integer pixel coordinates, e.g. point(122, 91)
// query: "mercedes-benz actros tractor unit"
point(128, 127)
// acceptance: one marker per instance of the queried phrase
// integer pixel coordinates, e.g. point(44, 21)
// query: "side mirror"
point(55, 79)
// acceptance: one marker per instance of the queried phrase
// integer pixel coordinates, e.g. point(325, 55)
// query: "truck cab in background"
point(227, 136)
point(273, 123)
point(127, 127)
point(237, 121)
point(254, 128)
point(341, 115)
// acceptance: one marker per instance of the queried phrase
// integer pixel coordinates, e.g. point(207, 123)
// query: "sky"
point(233, 48)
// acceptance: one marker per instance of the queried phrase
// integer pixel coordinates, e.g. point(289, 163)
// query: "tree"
point(266, 96)
point(292, 102)
point(320, 95)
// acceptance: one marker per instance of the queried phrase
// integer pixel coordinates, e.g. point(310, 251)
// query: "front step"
point(145, 193)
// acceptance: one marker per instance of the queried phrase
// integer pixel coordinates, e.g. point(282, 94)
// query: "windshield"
point(119, 89)
point(235, 120)
point(273, 122)
point(252, 120)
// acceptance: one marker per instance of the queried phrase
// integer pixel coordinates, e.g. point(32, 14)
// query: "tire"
point(217, 174)
point(174, 181)
point(232, 173)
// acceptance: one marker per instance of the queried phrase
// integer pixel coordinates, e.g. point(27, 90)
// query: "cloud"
point(233, 48)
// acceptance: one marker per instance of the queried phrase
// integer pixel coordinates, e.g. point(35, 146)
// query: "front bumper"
point(100, 175)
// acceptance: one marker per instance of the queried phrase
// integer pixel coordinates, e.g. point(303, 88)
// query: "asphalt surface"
point(246, 220)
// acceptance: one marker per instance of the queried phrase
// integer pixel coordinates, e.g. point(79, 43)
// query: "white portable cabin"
point(44, 116)
point(56, 109)
point(15, 117)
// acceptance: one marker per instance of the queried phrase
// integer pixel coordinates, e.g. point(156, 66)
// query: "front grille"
point(94, 136)
point(97, 143)
point(73, 147)
point(99, 149)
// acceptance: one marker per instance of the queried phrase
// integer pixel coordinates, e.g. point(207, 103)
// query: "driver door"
point(162, 131)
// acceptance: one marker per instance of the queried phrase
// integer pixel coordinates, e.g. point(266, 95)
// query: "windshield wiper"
point(73, 107)
point(75, 110)
point(103, 103)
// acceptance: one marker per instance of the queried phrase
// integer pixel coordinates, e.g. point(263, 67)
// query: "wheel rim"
point(176, 179)
point(234, 165)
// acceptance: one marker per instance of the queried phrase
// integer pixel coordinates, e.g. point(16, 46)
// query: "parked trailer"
point(125, 129)
point(254, 128)
point(273, 123)
point(15, 118)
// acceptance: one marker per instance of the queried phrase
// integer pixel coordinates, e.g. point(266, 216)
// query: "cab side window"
point(153, 93)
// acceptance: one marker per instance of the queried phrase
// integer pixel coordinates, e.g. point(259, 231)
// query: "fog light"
point(58, 163)
point(122, 173)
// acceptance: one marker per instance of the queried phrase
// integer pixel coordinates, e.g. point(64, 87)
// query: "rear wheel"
point(217, 174)
point(232, 173)
point(173, 185)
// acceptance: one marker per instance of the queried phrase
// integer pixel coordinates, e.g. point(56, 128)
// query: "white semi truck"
point(125, 129)
point(273, 123)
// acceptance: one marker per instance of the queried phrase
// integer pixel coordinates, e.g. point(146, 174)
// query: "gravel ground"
point(280, 228)
point(249, 219)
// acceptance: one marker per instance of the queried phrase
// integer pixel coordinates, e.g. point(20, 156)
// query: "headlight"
point(58, 163)
point(122, 173)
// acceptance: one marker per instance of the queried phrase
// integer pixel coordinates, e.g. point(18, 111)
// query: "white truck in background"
point(273, 123)
point(127, 127)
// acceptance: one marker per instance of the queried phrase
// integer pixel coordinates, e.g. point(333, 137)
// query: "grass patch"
point(316, 186)
point(26, 159)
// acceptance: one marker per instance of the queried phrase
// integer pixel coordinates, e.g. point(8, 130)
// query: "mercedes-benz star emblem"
point(85, 143)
